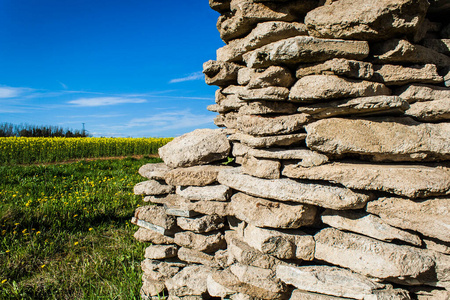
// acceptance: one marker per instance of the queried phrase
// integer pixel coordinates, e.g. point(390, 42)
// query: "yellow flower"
point(90, 229)
point(38, 232)
point(76, 243)
point(7, 251)
point(16, 224)
point(75, 216)
point(43, 266)
point(4, 280)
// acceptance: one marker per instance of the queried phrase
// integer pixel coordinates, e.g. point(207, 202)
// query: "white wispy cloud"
point(12, 92)
point(192, 76)
point(105, 101)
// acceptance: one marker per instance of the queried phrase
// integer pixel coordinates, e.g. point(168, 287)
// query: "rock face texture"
point(330, 175)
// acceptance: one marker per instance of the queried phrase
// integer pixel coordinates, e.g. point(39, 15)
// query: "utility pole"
point(84, 132)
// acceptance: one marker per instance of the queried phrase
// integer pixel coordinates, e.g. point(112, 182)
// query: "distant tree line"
point(26, 130)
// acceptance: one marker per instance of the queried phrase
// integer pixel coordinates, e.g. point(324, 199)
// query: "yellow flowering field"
point(25, 150)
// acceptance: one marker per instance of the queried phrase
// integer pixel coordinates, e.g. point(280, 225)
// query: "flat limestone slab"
point(193, 176)
point(326, 196)
point(263, 126)
point(422, 92)
point(208, 243)
point(371, 257)
point(152, 187)
point(197, 257)
point(430, 217)
point(205, 193)
point(337, 66)
point(154, 171)
point(399, 75)
point(267, 141)
point(147, 235)
point(263, 107)
point(387, 139)
point(156, 215)
point(201, 224)
point(431, 111)
point(413, 181)
point(191, 281)
point(160, 251)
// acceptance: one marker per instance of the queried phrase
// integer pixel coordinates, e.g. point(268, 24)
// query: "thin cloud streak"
point(7, 92)
point(105, 101)
point(190, 77)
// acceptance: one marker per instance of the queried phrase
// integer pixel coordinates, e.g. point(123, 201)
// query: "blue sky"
point(125, 68)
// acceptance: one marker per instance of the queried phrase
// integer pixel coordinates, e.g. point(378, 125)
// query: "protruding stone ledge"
point(337, 66)
point(268, 141)
point(263, 126)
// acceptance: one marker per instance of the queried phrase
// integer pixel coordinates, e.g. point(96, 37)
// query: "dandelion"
point(76, 243)
point(75, 216)
point(38, 232)
point(43, 266)
point(90, 229)
point(16, 224)
point(4, 280)
point(7, 251)
point(25, 230)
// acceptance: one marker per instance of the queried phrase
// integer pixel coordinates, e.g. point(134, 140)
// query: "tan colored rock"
point(411, 181)
point(220, 5)
point(263, 107)
point(323, 87)
point(436, 245)
point(432, 294)
point(305, 49)
point(371, 257)
point(229, 102)
point(430, 217)
point(161, 270)
point(441, 278)
point(205, 193)
point(374, 105)
point(268, 141)
point(208, 243)
point(326, 196)
point(220, 73)
point(272, 76)
point(154, 171)
point(193, 176)
point(191, 209)
point(215, 289)
point(200, 146)
point(146, 235)
point(191, 281)
point(228, 120)
point(210, 208)
point(302, 295)
point(271, 93)
point(152, 187)
point(264, 213)
point(151, 287)
point(400, 75)
point(387, 139)
point(263, 126)
point(201, 224)
point(402, 51)
point(360, 20)
point(431, 111)
point(160, 251)
point(420, 92)
point(262, 168)
point(337, 66)
point(150, 226)
point(155, 215)
point(263, 34)
point(438, 45)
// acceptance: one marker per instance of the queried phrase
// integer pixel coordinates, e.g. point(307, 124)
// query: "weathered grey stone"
point(264, 33)
point(328, 280)
point(207, 243)
point(436, 245)
point(233, 89)
point(368, 225)
point(262, 168)
point(337, 66)
point(261, 126)
point(268, 141)
point(432, 294)
point(402, 51)
point(215, 289)
point(441, 278)
point(161, 270)
point(271, 93)
point(202, 224)
point(364, 105)
point(348, 19)
point(420, 92)
point(323, 195)
point(154, 171)
point(220, 5)
point(305, 49)
point(229, 102)
point(228, 120)
point(387, 139)
point(152, 187)
point(412, 181)
point(241, 296)
point(322, 87)
point(389, 294)
point(399, 75)
point(150, 226)
point(210, 208)
point(220, 73)
point(147, 235)
point(293, 244)
point(155, 215)
point(200, 146)
point(197, 257)
point(152, 287)
point(263, 107)
point(272, 76)
point(438, 45)
point(205, 193)
point(191, 281)
point(429, 217)
point(371, 257)
point(437, 110)
point(265, 213)
point(246, 74)
point(303, 295)
point(160, 251)
point(194, 176)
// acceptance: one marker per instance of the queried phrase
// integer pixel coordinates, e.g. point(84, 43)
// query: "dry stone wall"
point(336, 116)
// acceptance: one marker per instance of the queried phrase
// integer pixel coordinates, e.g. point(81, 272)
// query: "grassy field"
point(66, 232)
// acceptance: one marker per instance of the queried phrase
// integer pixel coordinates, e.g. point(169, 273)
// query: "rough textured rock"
point(421, 92)
point(305, 49)
point(268, 141)
point(374, 105)
point(328, 280)
point(161, 270)
point(150, 226)
point(441, 278)
point(155, 215)
point(210, 208)
point(220, 73)
point(323, 87)
point(371, 257)
point(151, 287)
point(191, 281)
point(220, 5)
point(368, 225)
point(271, 93)
point(438, 45)
point(362, 20)
point(430, 217)
point(200, 146)
point(411, 181)
point(432, 294)
point(436, 245)
point(337, 66)
point(327, 196)
point(265, 213)
point(262, 168)
point(207, 243)
point(389, 139)
point(399, 75)
point(263, 107)
point(438, 110)
point(146, 235)
point(152, 187)
point(272, 76)
point(201, 224)
point(154, 171)
point(215, 289)
point(193, 176)
point(261, 126)
point(161, 251)
point(205, 193)
point(303, 295)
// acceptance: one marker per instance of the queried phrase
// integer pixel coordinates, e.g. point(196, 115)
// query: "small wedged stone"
point(191, 281)
point(430, 217)
point(400, 75)
point(358, 20)
point(201, 224)
point(197, 257)
point(152, 187)
point(205, 193)
point(262, 168)
point(263, 34)
point(337, 66)
point(263, 126)
point(193, 176)
point(272, 76)
point(374, 105)
point(147, 235)
point(371, 257)
point(160, 251)
point(154, 171)
point(271, 93)
point(208, 242)
point(220, 73)
point(436, 245)
point(267, 141)
point(263, 107)
point(430, 111)
point(215, 289)
point(315, 88)
point(151, 288)
point(438, 45)
point(327, 280)
point(421, 92)
point(305, 49)
point(156, 215)
point(161, 270)
point(387, 139)
point(200, 146)
point(150, 226)
point(323, 195)
point(264, 213)
point(402, 51)
point(441, 276)
point(368, 225)
point(413, 181)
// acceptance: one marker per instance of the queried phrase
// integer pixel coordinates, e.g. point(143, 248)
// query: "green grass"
point(65, 231)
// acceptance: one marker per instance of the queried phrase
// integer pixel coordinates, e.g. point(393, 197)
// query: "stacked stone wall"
point(329, 175)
